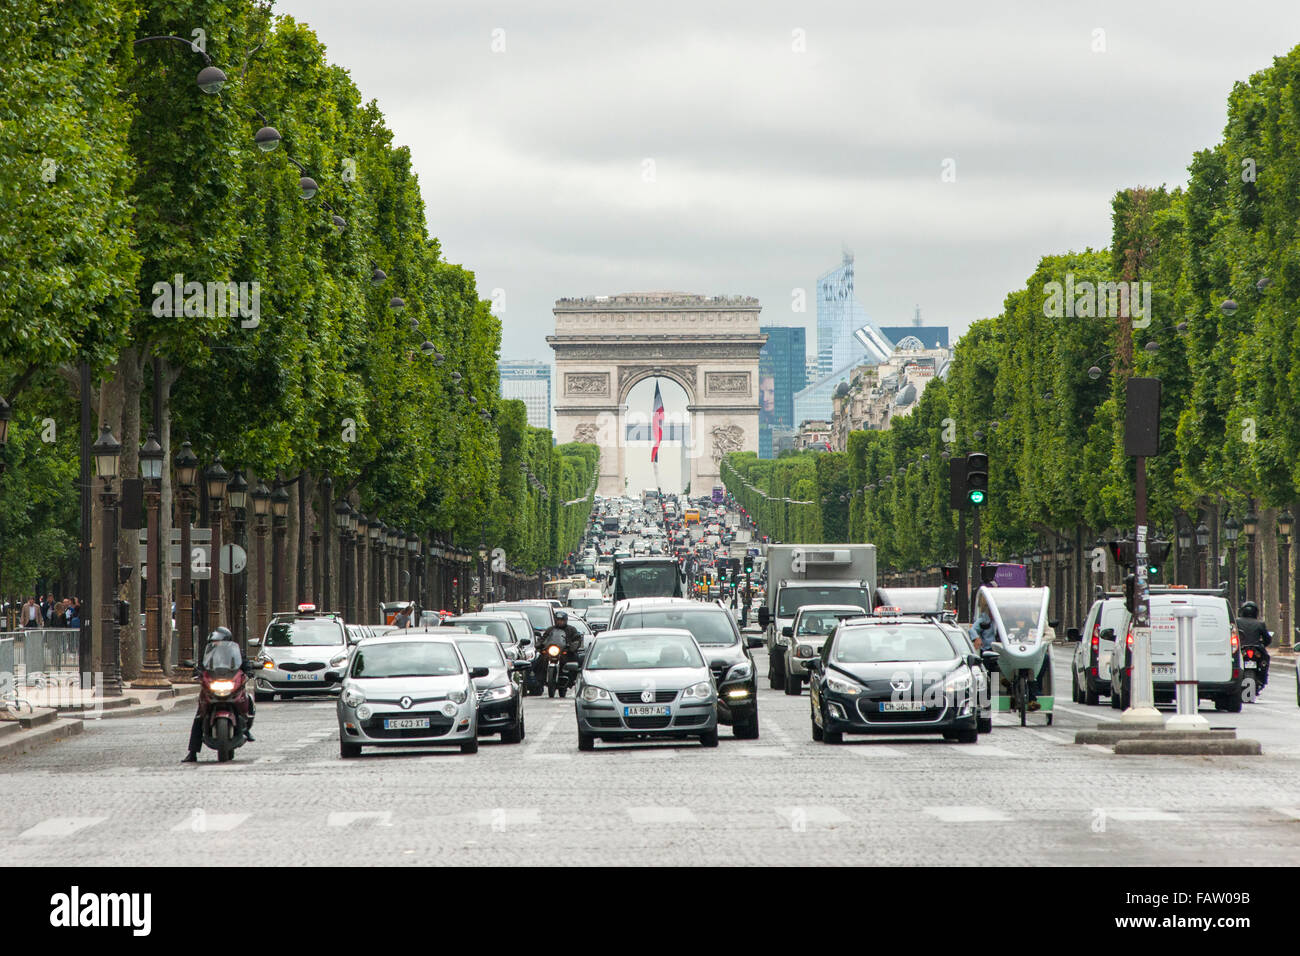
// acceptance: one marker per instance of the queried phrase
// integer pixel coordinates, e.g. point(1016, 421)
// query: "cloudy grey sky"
point(780, 133)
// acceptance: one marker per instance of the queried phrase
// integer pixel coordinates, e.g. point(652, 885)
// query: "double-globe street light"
point(107, 451)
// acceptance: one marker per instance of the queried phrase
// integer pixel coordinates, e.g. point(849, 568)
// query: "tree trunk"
point(1269, 609)
point(131, 377)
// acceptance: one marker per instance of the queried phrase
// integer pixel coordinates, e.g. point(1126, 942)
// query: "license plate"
point(305, 675)
point(651, 710)
point(407, 723)
point(901, 706)
point(1250, 665)
point(1163, 670)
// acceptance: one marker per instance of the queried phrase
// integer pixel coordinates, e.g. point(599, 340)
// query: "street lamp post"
point(261, 512)
point(412, 548)
point(363, 569)
point(327, 495)
point(1202, 555)
point(1285, 522)
point(187, 472)
point(482, 564)
point(237, 495)
point(280, 528)
point(376, 579)
point(151, 469)
point(107, 451)
point(215, 478)
point(1185, 547)
point(1231, 529)
point(1251, 526)
point(342, 512)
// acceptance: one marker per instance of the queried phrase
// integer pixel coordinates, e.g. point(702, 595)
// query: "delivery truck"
point(800, 574)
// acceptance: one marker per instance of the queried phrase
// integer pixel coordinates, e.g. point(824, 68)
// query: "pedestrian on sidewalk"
point(74, 614)
point(32, 616)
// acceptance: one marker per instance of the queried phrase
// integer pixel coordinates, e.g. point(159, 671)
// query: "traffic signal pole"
point(1141, 438)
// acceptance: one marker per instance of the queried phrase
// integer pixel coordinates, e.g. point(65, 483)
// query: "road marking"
point(1098, 748)
point(874, 750)
point(503, 817)
point(980, 750)
point(1085, 713)
point(1292, 812)
point(345, 818)
point(661, 815)
point(656, 753)
point(61, 826)
point(1138, 814)
point(200, 821)
point(967, 814)
point(797, 817)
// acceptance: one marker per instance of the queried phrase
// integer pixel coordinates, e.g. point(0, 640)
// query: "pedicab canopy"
point(912, 600)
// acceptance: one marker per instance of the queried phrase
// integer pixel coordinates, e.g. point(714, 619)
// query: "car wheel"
point(1074, 686)
point(775, 674)
point(469, 746)
point(586, 741)
point(1125, 699)
point(1231, 703)
point(709, 738)
point(1091, 696)
point(832, 736)
point(793, 685)
point(984, 725)
point(968, 736)
point(747, 730)
point(510, 735)
point(349, 750)
point(816, 730)
point(262, 696)
point(1115, 688)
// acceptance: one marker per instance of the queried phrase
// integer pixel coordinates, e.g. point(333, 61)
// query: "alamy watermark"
point(209, 300)
point(1098, 300)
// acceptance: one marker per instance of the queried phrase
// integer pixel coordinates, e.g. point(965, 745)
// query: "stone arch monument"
point(709, 345)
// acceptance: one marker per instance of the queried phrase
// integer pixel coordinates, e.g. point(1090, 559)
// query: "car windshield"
point(881, 643)
point(538, 614)
point(1021, 613)
point(793, 598)
point(222, 658)
point(643, 652)
point(585, 602)
point(304, 633)
point(708, 626)
point(405, 659)
point(648, 580)
point(821, 622)
point(481, 654)
point(498, 629)
point(600, 613)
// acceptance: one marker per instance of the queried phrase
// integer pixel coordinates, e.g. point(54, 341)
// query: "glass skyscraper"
point(531, 383)
point(782, 371)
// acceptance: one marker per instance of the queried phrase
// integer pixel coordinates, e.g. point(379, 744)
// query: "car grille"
point(872, 715)
point(302, 666)
point(439, 724)
point(688, 720)
point(634, 697)
point(648, 723)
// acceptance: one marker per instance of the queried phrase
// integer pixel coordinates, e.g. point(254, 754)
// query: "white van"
point(1095, 645)
point(579, 599)
point(1218, 651)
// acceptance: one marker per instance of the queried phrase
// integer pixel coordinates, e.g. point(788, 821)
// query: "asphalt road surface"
point(118, 795)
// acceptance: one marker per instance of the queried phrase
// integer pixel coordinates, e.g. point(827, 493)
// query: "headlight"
point(339, 660)
point(837, 685)
point(740, 671)
point(353, 697)
point(449, 709)
point(221, 688)
point(363, 712)
point(805, 650)
point(957, 681)
point(268, 664)
point(500, 692)
point(592, 693)
point(701, 691)
point(553, 650)
point(458, 696)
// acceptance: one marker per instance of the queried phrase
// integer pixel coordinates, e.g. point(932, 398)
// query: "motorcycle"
point(1254, 662)
point(223, 708)
point(557, 673)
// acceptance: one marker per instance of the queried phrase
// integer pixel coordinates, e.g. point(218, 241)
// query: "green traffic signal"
point(976, 496)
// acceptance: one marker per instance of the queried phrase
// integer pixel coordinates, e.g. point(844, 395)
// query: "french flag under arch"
point(657, 423)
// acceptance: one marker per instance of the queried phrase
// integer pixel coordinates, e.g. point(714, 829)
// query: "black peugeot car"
point(892, 674)
point(725, 649)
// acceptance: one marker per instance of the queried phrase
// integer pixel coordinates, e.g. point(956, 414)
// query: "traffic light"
point(950, 574)
point(749, 564)
point(1130, 593)
point(977, 478)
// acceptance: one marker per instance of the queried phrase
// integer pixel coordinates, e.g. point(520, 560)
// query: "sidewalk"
point(56, 712)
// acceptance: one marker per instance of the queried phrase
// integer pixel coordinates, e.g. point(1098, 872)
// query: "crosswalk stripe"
point(345, 818)
point(508, 816)
point(661, 815)
point(796, 817)
point(981, 750)
point(200, 821)
point(61, 826)
point(967, 814)
point(1138, 814)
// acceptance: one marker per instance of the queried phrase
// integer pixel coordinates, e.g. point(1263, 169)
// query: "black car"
point(725, 649)
point(893, 674)
point(597, 616)
point(540, 613)
point(500, 694)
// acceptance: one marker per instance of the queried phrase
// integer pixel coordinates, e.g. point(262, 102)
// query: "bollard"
point(1188, 699)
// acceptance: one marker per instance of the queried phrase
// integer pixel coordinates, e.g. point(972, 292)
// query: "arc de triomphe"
point(708, 345)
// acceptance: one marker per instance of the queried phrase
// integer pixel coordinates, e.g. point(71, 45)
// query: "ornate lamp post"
point(1203, 557)
point(107, 451)
point(1251, 526)
point(279, 527)
point(394, 581)
point(261, 512)
point(1231, 529)
point(342, 514)
point(376, 578)
point(363, 570)
point(151, 469)
point(216, 478)
point(237, 495)
point(412, 551)
point(482, 564)
point(187, 473)
point(1063, 603)
point(1285, 522)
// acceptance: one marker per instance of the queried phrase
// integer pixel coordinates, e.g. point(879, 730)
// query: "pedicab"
point(1022, 638)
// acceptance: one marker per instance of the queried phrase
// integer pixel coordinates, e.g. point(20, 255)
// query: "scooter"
point(223, 708)
point(1254, 662)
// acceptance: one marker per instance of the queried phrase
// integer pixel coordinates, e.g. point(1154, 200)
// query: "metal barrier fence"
point(33, 655)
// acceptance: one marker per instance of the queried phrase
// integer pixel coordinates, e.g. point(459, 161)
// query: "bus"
point(719, 494)
point(692, 516)
point(650, 498)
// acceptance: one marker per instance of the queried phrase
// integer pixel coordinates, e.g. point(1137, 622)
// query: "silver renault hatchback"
point(409, 689)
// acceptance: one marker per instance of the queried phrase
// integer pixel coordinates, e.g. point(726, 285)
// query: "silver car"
point(646, 684)
point(409, 689)
point(303, 654)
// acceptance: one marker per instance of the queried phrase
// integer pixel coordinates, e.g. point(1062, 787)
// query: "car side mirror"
point(753, 640)
point(974, 660)
point(525, 641)
point(477, 672)
point(764, 616)
point(521, 665)
point(990, 659)
point(814, 664)
point(1052, 624)
point(1072, 634)
point(787, 631)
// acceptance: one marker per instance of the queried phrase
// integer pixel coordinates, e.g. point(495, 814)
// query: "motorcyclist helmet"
point(1249, 609)
point(561, 617)
point(221, 634)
